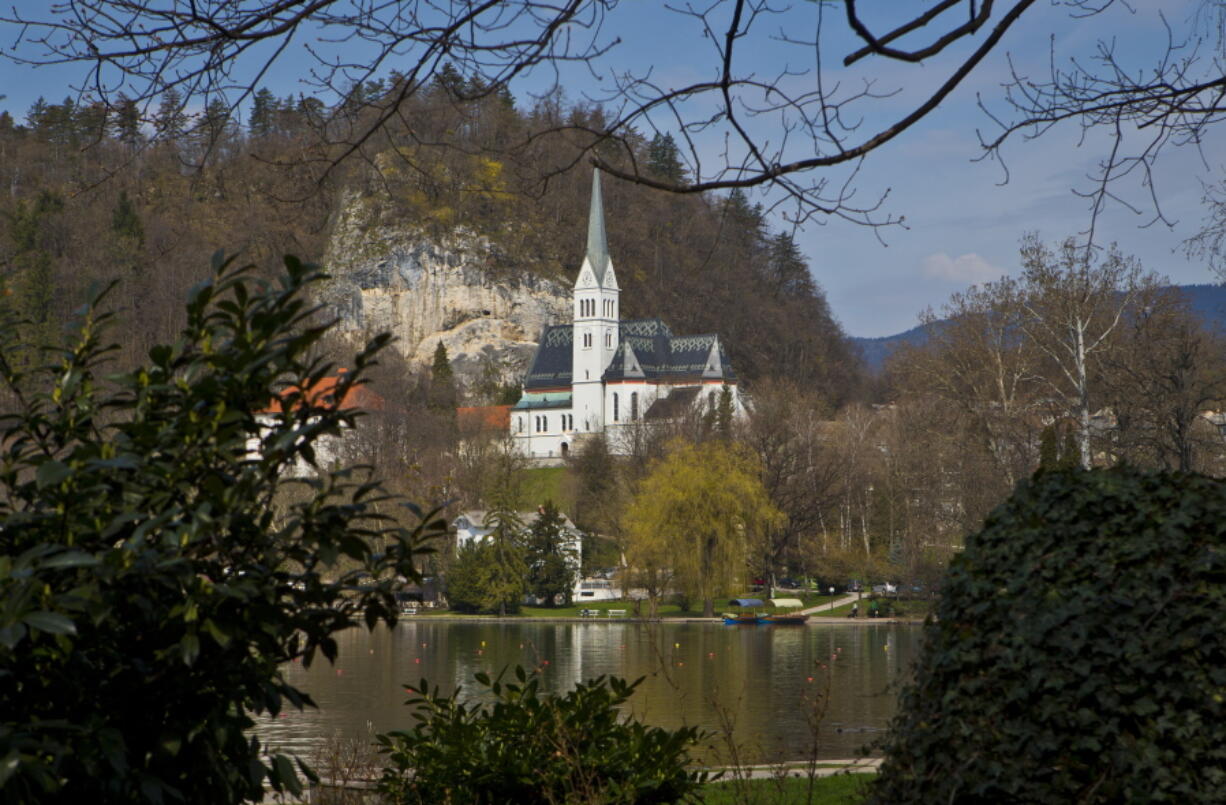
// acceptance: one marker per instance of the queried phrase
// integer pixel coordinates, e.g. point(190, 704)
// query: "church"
point(600, 374)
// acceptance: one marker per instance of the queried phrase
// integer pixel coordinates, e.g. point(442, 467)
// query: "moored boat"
point(740, 618)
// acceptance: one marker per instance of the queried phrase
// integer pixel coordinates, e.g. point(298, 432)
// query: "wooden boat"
point(740, 618)
point(784, 619)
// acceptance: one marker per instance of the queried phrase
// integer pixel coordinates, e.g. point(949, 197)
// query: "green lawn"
point(840, 789)
point(543, 484)
point(664, 611)
point(902, 609)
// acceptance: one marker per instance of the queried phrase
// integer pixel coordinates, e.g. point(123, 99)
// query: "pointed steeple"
point(597, 245)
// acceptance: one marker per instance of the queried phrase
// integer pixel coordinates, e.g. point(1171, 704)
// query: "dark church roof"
point(656, 354)
point(551, 367)
point(674, 405)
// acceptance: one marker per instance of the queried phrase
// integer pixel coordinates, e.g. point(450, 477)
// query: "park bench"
point(616, 613)
point(588, 613)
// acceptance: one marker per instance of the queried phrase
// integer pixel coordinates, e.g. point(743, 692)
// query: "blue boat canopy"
point(746, 602)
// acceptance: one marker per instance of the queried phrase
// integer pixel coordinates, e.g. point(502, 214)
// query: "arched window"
point(608, 340)
point(634, 407)
point(615, 407)
point(519, 424)
point(544, 424)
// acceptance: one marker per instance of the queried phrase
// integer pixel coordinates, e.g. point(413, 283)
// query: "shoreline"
point(813, 619)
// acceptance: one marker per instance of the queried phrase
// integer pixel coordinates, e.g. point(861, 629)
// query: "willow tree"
point(699, 508)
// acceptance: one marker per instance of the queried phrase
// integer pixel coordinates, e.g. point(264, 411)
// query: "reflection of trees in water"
point(758, 676)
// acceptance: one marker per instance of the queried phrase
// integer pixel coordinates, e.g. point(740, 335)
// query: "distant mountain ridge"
point(1207, 301)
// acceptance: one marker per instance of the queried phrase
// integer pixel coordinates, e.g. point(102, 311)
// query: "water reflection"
point(758, 684)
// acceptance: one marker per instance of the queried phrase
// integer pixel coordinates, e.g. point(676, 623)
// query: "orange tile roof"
point(477, 418)
point(322, 394)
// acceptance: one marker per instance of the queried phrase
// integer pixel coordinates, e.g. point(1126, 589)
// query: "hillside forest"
point(1080, 359)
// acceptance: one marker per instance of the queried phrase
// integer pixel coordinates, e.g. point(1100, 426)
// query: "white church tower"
point(596, 318)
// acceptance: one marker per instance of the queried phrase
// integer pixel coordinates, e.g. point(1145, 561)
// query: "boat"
point(784, 619)
point(740, 618)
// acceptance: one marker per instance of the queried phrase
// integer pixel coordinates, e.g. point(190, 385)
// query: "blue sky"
point(962, 224)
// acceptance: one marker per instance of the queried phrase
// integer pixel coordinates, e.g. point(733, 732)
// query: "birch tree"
point(1073, 301)
point(978, 360)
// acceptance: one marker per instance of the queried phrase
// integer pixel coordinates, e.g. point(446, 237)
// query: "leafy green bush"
point(1078, 653)
point(154, 574)
point(527, 747)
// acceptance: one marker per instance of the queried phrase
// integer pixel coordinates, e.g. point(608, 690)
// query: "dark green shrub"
point(1078, 653)
point(515, 745)
point(154, 574)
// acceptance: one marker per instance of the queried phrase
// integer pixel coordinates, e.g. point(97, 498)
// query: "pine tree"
point(125, 223)
point(170, 120)
point(549, 559)
point(663, 158)
point(723, 415)
point(1049, 449)
point(507, 571)
point(264, 108)
point(125, 123)
point(442, 381)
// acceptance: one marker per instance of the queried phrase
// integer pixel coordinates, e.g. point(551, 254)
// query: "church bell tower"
point(596, 317)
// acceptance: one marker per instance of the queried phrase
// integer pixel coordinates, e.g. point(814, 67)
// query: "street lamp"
point(832, 598)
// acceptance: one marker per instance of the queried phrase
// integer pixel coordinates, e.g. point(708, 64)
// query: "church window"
point(634, 406)
point(519, 424)
point(711, 401)
point(587, 340)
point(615, 407)
point(608, 340)
point(544, 424)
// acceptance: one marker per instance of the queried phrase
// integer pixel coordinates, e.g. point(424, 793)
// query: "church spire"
point(597, 245)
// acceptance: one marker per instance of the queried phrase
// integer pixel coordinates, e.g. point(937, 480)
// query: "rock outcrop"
point(386, 277)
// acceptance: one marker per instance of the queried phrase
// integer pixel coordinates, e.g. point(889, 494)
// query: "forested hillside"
point(88, 198)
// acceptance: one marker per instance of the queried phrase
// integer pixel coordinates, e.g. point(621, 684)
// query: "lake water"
point(759, 684)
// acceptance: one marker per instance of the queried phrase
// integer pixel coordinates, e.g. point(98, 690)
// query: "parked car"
point(885, 589)
point(854, 586)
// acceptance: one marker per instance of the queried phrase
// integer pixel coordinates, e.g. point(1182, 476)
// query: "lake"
point(761, 685)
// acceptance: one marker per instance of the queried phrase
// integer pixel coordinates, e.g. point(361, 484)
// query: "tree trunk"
point(1083, 399)
point(708, 607)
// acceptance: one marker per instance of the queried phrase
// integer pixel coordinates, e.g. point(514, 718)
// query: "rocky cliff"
point(387, 277)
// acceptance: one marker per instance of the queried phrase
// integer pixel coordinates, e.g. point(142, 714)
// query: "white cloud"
point(964, 269)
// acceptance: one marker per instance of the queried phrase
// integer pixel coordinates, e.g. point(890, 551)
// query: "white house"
point(469, 526)
point(603, 374)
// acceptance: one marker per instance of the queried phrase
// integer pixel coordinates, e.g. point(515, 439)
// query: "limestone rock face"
point(386, 277)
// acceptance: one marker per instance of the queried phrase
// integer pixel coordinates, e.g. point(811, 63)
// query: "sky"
point(963, 222)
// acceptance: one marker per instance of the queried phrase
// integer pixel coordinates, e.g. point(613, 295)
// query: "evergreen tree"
point(663, 158)
point(1070, 455)
point(549, 559)
point(788, 271)
point(264, 107)
point(170, 120)
point(507, 570)
point(1049, 449)
point(723, 414)
point(125, 122)
point(450, 82)
point(442, 381)
point(125, 223)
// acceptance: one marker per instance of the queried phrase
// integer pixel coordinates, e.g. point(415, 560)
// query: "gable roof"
point(323, 395)
point(654, 353)
point(482, 418)
point(659, 354)
point(552, 364)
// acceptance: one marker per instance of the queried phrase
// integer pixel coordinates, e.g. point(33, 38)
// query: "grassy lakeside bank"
point(665, 610)
point(836, 789)
point(902, 609)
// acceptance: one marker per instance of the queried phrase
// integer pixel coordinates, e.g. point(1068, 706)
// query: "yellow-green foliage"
point(697, 513)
